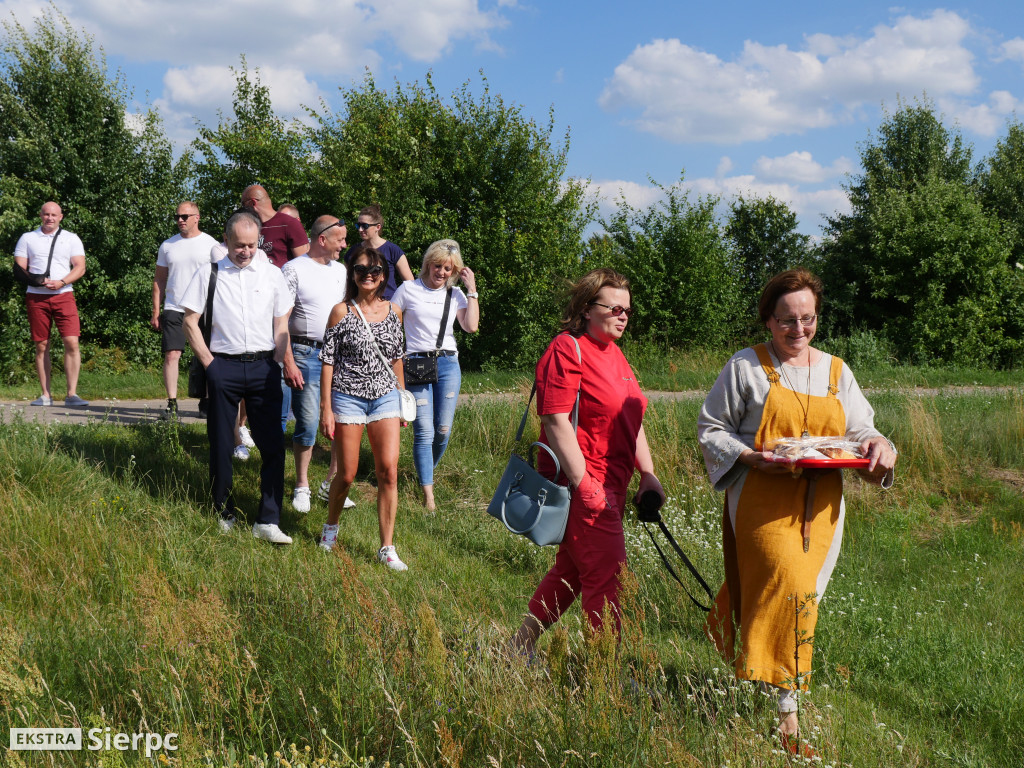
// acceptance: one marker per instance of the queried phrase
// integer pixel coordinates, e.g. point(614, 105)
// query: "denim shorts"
point(349, 409)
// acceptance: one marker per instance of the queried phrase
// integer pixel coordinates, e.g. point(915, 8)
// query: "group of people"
point(339, 334)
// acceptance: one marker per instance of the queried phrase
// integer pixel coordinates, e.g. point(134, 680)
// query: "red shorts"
point(44, 310)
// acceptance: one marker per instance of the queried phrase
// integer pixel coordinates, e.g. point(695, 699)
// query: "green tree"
point(918, 259)
point(765, 241)
point(476, 169)
point(257, 146)
point(677, 259)
point(911, 147)
point(65, 135)
point(1002, 187)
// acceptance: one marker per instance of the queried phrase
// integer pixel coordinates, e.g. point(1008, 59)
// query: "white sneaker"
point(247, 441)
point(329, 537)
point(270, 532)
point(226, 523)
point(324, 494)
point(300, 499)
point(241, 453)
point(389, 557)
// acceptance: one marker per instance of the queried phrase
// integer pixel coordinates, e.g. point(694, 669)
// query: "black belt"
point(246, 357)
point(307, 342)
point(439, 353)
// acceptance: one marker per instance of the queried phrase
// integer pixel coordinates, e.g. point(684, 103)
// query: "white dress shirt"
point(245, 303)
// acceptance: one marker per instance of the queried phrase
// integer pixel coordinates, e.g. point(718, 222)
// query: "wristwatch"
point(473, 295)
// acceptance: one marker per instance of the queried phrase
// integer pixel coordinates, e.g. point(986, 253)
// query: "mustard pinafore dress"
point(769, 597)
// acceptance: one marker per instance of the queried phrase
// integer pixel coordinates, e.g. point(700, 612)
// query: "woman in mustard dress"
point(777, 565)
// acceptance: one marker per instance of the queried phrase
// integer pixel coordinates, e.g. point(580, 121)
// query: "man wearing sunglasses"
point(177, 260)
point(316, 282)
point(282, 237)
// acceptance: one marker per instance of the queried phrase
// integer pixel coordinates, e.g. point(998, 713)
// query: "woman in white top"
point(422, 302)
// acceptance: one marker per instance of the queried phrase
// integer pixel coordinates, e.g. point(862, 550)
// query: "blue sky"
point(743, 97)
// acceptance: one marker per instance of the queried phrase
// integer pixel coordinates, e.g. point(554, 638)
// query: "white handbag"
point(408, 401)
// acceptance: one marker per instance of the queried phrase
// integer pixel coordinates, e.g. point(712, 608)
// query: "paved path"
point(134, 411)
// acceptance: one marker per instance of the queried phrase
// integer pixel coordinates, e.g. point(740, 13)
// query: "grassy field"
point(124, 608)
point(108, 376)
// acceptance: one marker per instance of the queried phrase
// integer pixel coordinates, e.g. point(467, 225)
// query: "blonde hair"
point(441, 251)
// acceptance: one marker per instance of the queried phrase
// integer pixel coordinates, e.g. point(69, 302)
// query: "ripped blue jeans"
point(435, 410)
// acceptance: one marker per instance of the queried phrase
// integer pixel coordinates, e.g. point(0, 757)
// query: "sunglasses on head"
point(363, 270)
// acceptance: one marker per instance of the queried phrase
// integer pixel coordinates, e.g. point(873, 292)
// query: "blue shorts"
point(349, 409)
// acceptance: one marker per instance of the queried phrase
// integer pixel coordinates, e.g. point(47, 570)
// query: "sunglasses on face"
point(616, 310)
point(363, 270)
point(361, 225)
point(182, 216)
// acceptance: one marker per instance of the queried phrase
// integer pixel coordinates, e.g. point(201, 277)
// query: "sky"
point(728, 98)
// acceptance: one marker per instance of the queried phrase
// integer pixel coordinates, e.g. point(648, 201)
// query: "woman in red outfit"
point(598, 459)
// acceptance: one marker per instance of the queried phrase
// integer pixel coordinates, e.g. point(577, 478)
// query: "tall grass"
point(124, 607)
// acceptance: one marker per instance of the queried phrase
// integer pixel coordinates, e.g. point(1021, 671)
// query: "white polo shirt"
point(314, 288)
point(182, 256)
point(245, 303)
point(35, 246)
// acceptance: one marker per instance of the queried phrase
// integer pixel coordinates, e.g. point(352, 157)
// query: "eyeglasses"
point(791, 322)
point(361, 225)
point(183, 216)
point(616, 310)
point(362, 270)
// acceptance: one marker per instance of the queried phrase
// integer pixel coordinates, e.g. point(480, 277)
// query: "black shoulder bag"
point(422, 369)
point(32, 279)
point(196, 371)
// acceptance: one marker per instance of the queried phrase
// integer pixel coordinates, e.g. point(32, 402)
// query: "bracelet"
point(473, 295)
point(63, 284)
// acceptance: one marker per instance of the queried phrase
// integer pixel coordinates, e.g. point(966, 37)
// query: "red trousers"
point(587, 565)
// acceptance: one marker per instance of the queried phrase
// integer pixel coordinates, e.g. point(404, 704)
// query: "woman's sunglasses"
point(362, 270)
point(616, 310)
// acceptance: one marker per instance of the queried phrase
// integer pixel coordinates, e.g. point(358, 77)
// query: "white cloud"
point(686, 94)
point(800, 167)
point(1013, 50)
point(811, 205)
point(985, 119)
point(324, 37)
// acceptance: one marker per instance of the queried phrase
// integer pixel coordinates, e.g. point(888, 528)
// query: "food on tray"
point(829, 447)
point(837, 453)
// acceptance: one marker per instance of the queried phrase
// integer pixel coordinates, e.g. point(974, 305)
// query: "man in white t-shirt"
point(54, 300)
point(177, 260)
point(316, 282)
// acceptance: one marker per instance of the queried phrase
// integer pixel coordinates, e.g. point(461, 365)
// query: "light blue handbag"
point(526, 502)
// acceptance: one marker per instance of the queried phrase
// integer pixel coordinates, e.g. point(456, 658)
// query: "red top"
point(278, 235)
point(611, 408)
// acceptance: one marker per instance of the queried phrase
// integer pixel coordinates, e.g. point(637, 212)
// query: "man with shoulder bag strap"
point(51, 259)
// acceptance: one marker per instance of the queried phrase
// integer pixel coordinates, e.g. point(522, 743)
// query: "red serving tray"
point(833, 463)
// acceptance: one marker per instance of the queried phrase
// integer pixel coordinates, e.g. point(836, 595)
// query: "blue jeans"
point(286, 402)
point(435, 411)
point(305, 402)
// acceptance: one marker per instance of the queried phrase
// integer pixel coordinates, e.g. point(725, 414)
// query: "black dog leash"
point(648, 510)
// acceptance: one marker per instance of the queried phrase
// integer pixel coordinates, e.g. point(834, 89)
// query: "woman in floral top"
point(358, 391)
